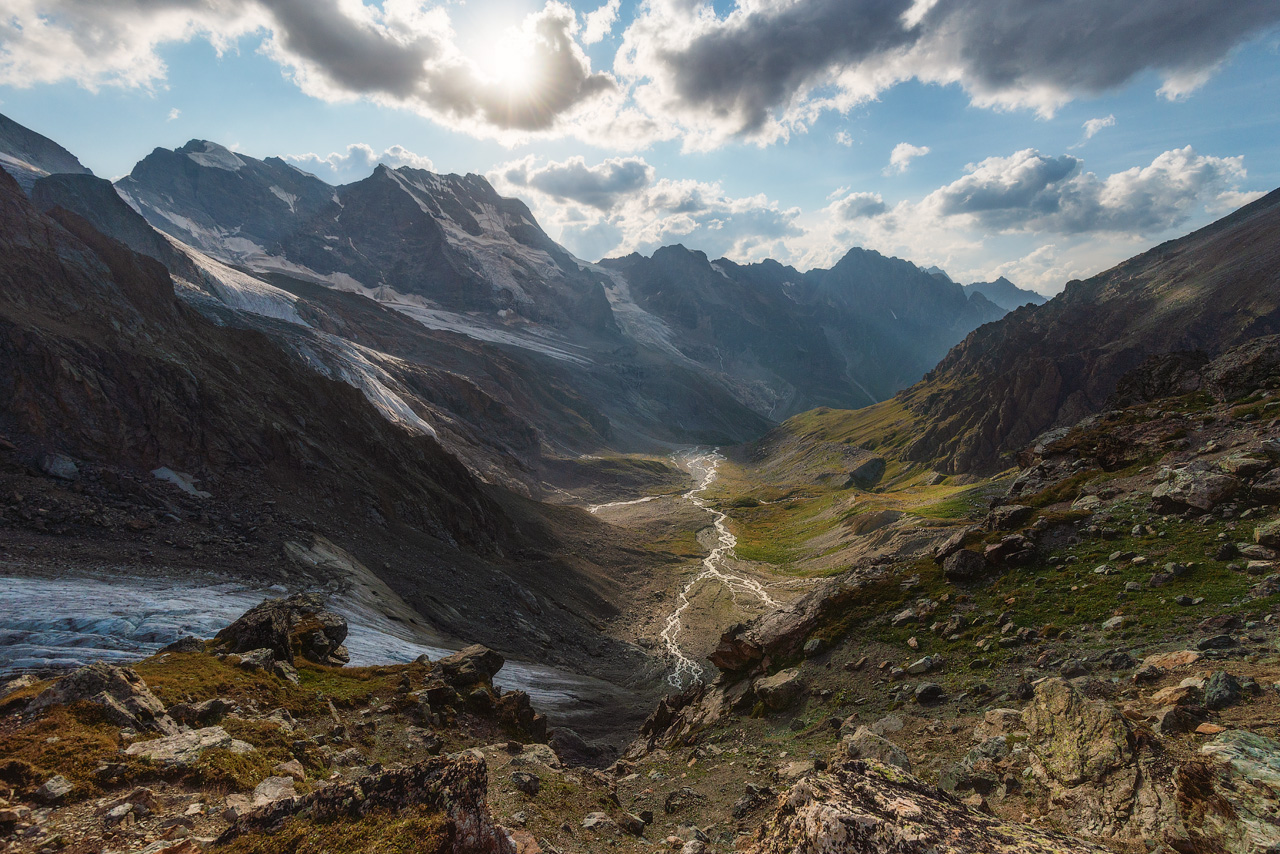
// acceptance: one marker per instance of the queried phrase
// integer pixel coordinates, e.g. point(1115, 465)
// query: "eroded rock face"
point(456, 787)
point(298, 625)
point(1105, 781)
point(869, 808)
point(1228, 799)
point(1195, 490)
point(119, 690)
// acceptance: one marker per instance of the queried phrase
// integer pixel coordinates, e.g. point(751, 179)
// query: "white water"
point(704, 465)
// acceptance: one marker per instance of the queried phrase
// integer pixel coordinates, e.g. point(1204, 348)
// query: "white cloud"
point(843, 138)
point(599, 23)
point(601, 186)
point(619, 206)
point(360, 156)
point(903, 154)
point(1030, 192)
point(173, 114)
point(859, 206)
point(400, 53)
point(1093, 126)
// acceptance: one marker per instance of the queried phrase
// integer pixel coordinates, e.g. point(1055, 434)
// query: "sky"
point(1042, 141)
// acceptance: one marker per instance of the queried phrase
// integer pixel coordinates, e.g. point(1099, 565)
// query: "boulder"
point(869, 807)
point(1170, 660)
point(1228, 797)
point(200, 714)
point(516, 715)
point(456, 787)
point(929, 692)
point(573, 749)
point(119, 690)
point(59, 467)
point(1268, 534)
point(1266, 489)
point(965, 565)
point(779, 690)
point(1075, 740)
point(1195, 490)
point(976, 771)
point(298, 625)
point(1221, 690)
point(273, 789)
point(1087, 755)
point(54, 790)
point(526, 782)
point(472, 664)
point(183, 749)
point(1009, 516)
point(865, 744)
point(867, 473)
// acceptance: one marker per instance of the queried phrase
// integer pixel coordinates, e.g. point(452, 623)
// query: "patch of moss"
point(414, 830)
point(68, 740)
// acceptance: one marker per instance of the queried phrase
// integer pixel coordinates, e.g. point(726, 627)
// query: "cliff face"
point(1050, 365)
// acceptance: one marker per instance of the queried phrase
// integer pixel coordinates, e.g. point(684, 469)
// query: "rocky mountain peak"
point(29, 156)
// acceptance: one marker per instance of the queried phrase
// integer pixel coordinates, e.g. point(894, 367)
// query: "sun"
point(508, 63)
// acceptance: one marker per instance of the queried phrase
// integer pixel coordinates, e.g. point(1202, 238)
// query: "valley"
point(331, 515)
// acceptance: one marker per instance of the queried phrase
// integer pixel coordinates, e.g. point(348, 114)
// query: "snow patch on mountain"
point(217, 157)
point(241, 291)
point(288, 198)
point(354, 365)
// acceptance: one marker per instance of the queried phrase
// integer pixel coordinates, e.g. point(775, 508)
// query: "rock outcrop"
point(298, 625)
point(1228, 798)
point(869, 808)
point(457, 788)
point(120, 691)
point(1106, 780)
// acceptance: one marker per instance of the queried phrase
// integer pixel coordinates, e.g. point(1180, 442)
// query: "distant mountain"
point(628, 354)
point(1005, 293)
point(1051, 365)
point(450, 252)
point(28, 156)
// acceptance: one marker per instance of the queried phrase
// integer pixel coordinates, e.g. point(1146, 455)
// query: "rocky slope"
point(28, 156)
point(1049, 366)
point(109, 377)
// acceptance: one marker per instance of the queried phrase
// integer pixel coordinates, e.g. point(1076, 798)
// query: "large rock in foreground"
point(1104, 778)
point(456, 788)
point(865, 807)
point(1228, 799)
point(299, 625)
point(118, 690)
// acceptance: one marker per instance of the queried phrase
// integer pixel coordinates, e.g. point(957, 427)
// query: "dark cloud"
point(353, 57)
point(1089, 46)
point(396, 53)
point(600, 186)
point(747, 70)
point(1028, 181)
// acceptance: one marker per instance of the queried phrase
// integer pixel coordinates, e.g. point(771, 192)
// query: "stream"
point(703, 465)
